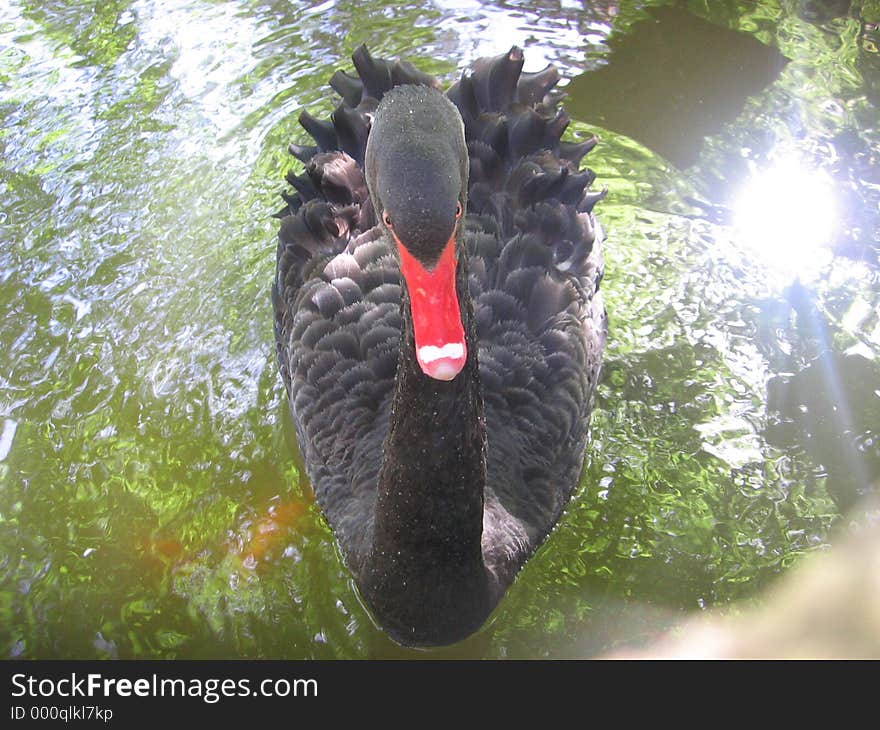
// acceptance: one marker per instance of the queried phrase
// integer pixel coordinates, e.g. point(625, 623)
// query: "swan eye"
point(457, 210)
point(386, 219)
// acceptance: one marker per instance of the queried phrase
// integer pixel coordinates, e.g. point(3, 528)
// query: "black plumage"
point(438, 492)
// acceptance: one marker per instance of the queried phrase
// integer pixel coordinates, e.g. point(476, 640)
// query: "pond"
point(152, 503)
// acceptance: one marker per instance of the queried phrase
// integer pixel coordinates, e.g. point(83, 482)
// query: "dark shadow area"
point(672, 81)
point(829, 408)
point(823, 410)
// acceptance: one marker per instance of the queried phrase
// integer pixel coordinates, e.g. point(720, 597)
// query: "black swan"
point(439, 330)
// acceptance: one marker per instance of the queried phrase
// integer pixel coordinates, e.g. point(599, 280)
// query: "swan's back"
point(535, 263)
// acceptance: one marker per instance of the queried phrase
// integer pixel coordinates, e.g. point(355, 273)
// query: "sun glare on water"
point(785, 218)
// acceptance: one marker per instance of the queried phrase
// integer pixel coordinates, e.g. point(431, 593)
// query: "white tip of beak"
point(444, 362)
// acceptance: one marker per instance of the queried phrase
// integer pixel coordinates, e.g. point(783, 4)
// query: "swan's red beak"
point(440, 346)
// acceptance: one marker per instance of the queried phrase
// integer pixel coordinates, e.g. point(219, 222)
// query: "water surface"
point(151, 500)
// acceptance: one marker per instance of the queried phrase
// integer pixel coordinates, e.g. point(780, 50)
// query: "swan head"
point(417, 173)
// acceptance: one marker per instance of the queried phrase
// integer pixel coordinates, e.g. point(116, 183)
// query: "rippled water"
point(151, 502)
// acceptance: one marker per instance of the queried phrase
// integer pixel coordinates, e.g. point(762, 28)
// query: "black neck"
point(425, 577)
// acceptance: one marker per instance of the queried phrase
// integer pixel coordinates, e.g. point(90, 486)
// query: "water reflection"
point(784, 215)
point(150, 503)
point(673, 79)
point(829, 407)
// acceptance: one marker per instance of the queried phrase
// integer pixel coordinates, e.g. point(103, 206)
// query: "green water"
point(151, 502)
